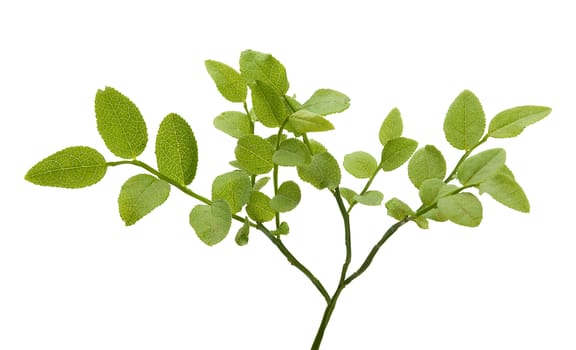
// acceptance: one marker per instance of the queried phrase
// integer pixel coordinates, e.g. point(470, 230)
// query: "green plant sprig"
point(261, 88)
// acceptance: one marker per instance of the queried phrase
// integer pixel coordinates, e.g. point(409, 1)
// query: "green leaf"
point(235, 124)
point(258, 207)
point(391, 127)
point(397, 152)
point(360, 164)
point(422, 222)
point(261, 183)
point(139, 195)
point(373, 198)
point(292, 152)
point(465, 121)
point(304, 121)
point(348, 195)
point(398, 209)
point(507, 191)
point(436, 215)
point(211, 222)
point(462, 209)
point(233, 187)
point(120, 124)
point(284, 229)
point(256, 65)
point(228, 81)
point(327, 101)
point(176, 149)
point(268, 105)
point(287, 198)
point(481, 166)
point(322, 172)
point(242, 236)
point(513, 121)
point(426, 163)
point(254, 154)
point(72, 167)
point(432, 189)
point(316, 147)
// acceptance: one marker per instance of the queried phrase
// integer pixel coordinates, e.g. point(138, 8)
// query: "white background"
point(72, 276)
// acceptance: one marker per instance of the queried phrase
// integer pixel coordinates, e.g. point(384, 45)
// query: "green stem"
point(367, 186)
point(463, 158)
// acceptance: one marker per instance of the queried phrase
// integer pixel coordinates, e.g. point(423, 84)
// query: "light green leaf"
point(462, 209)
point(235, 124)
point(139, 195)
point(422, 222)
point(432, 189)
point(228, 81)
point(397, 152)
point(292, 152)
point(322, 172)
point(233, 187)
point(481, 166)
point(211, 222)
point(327, 101)
point(373, 198)
point(304, 121)
point(72, 167)
point(258, 208)
point(348, 195)
point(507, 191)
point(254, 154)
point(261, 183)
point(176, 149)
point(120, 124)
point(268, 105)
point(255, 65)
point(284, 229)
point(398, 209)
point(426, 163)
point(513, 121)
point(360, 164)
point(287, 198)
point(465, 121)
point(242, 236)
point(391, 127)
point(436, 215)
point(316, 147)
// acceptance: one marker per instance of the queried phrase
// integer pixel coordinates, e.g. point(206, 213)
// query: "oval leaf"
point(256, 65)
point(292, 152)
point(481, 166)
point(462, 209)
point(397, 152)
point(254, 154)
point(72, 167)
point(258, 185)
point(322, 172)
point(235, 124)
point(258, 208)
point(507, 191)
point(139, 195)
point(348, 195)
point(120, 124)
point(426, 163)
point(513, 121)
point(465, 121)
point(360, 164)
point(304, 121)
point(391, 127)
point(373, 198)
point(268, 105)
point(234, 188)
point(243, 234)
point(176, 149)
point(228, 81)
point(211, 222)
point(327, 101)
point(287, 198)
point(398, 209)
point(432, 189)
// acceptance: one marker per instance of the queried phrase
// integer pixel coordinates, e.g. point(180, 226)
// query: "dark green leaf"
point(511, 122)
point(360, 164)
point(465, 121)
point(228, 81)
point(140, 195)
point(304, 121)
point(211, 222)
point(258, 207)
point(235, 124)
point(322, 172)
point(397, 152)
point(242, 236)
point(287, 198)
point(398, 209)
point(462, 209)
point(426, 163)
point(373, 198)
point(326, 101)
point(120, 124)
point(481, 166)
point(234, 188)
point(260, 66)
point(254, 154)
point(72, 167)
point(268, 105)
point(176, 149)
point(391, 127)
point(292, 152)
point(507, 191)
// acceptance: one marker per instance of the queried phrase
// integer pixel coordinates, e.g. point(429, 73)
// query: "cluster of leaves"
point(262, 81)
